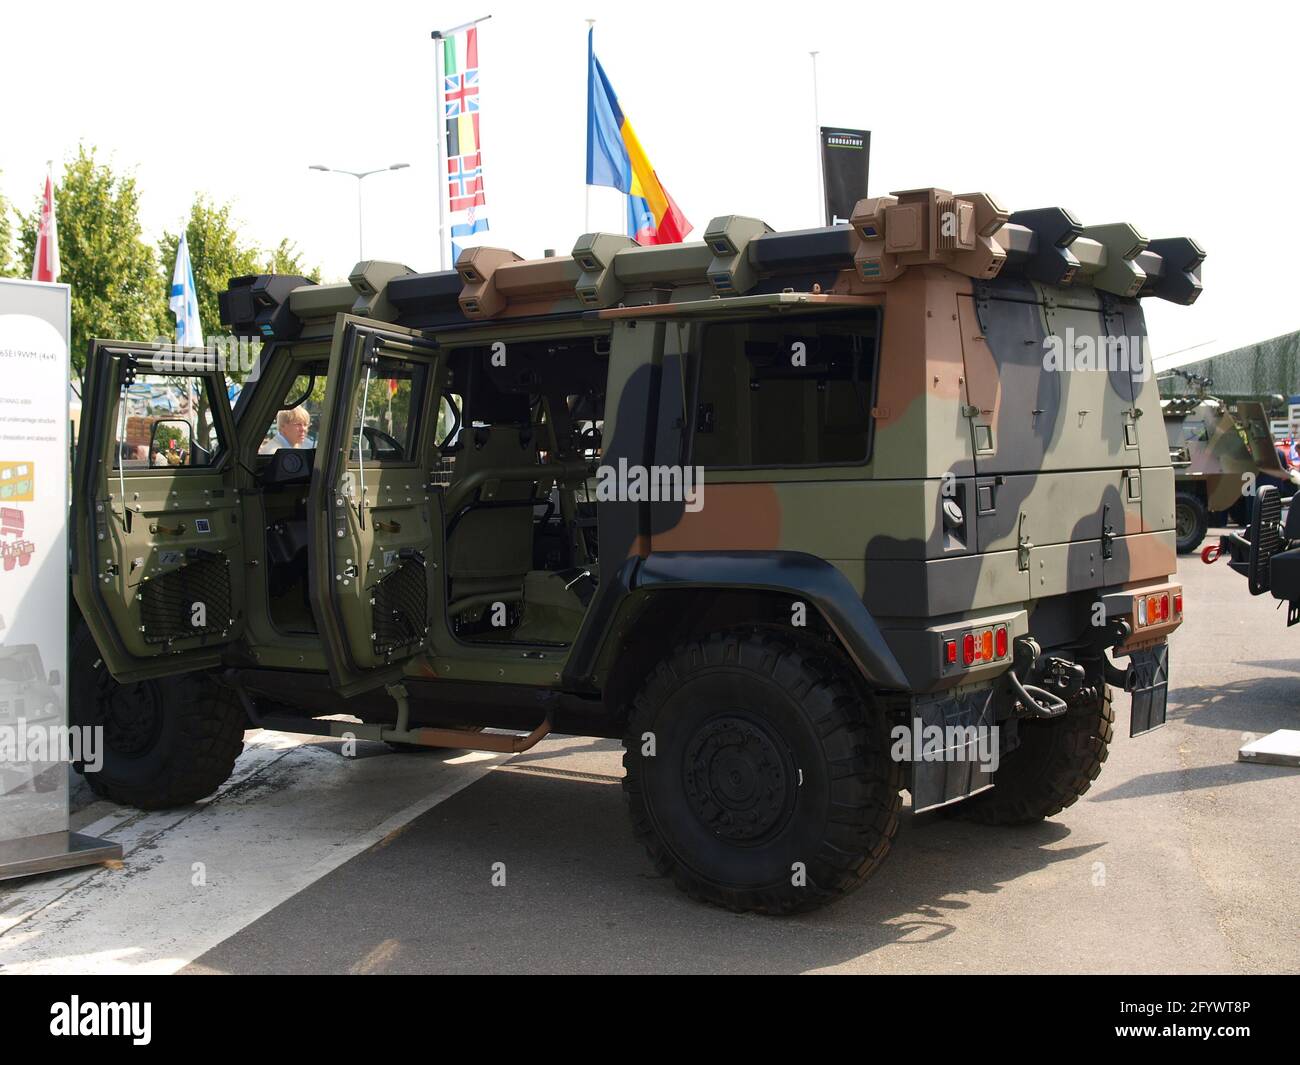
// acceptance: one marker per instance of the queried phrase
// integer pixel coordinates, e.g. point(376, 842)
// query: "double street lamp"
point(359, 175)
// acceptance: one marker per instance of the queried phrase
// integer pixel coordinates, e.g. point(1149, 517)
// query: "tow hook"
point(1211, 553)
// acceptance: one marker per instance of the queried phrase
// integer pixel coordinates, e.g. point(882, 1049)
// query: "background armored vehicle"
point(764, 506)
point(1219, 460)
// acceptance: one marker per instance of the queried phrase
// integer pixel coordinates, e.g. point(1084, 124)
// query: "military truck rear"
point(805, 518)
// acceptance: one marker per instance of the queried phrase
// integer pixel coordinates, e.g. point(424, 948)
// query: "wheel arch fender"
point(826, 590)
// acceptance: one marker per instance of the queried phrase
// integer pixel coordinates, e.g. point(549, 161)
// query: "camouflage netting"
point(1271, 366)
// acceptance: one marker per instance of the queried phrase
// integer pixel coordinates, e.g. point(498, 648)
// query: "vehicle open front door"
point(157, 544)
point(374, 542)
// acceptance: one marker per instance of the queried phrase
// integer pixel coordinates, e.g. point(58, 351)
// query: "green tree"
point(7, 265)
point(114, 274)
point(217, 253)
point(286, 259)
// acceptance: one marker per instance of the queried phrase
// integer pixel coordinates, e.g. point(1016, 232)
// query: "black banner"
point(845, 154)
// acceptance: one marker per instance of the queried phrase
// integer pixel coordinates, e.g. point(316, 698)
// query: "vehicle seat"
point(490, 548)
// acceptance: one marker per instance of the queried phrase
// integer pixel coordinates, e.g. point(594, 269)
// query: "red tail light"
point(968, 649)
point(1178, 603)
point(1000, 641)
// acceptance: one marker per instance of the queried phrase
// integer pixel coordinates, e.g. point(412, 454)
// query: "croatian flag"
point(184, 300)
point(45, 266)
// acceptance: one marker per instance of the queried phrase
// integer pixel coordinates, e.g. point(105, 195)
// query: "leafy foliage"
point(7, 267)
point(113, 272)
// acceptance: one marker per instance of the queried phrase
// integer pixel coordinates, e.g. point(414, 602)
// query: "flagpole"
point(440, 132)
point(817, 131)
point(586, 215)
point(441, 126)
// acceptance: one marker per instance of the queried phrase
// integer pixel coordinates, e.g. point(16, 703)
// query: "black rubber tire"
point(1056, 762)
point(1190, 522)
point(1239, 512)
point(787, 726)
point(184, 752)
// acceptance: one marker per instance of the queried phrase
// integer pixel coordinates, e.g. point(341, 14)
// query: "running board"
point(464, 739)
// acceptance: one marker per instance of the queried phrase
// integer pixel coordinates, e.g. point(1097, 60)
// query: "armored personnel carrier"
point(806, 518)
point(1219, 460)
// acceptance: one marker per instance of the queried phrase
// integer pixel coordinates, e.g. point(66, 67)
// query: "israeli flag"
point(184, 300)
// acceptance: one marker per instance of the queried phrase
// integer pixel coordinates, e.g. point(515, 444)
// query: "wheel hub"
point(738, 779)
point(132, 718)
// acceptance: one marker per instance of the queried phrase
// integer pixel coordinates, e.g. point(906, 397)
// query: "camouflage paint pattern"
point(1062, 477)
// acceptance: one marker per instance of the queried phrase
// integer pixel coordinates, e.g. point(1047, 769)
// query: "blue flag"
point(184, 302)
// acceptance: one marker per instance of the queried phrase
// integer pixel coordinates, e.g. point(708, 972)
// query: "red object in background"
point(45, 267)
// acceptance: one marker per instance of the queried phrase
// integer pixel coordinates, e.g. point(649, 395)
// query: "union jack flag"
point(460, 93)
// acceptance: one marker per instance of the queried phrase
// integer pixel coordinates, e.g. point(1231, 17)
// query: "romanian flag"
point(615, 158)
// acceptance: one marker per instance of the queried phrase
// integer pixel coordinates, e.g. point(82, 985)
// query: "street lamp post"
point(359, 175)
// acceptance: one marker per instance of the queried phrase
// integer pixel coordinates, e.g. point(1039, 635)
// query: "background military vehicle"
point(1219, 460)
point(907, 523)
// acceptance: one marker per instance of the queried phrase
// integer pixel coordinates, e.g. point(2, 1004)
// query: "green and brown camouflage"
point(1219, 460)
point(980, 433)
point(1062, 477)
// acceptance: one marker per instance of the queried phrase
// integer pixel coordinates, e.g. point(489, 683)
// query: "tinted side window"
point(792, 391)
point(167, 421)
point(388, 408)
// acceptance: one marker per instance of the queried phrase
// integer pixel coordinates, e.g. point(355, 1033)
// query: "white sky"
point(1177, 117)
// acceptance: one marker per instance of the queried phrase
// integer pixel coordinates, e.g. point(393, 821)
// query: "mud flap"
point(952, 745)
point(1150, 688)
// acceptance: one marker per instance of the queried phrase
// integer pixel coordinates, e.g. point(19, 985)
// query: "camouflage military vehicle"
point(770, 507)
point(1218, 462)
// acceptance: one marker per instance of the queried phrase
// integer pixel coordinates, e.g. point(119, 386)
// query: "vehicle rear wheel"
point(165, 743)
point(1190, 522)
point(755, 776)
point(1056, 762)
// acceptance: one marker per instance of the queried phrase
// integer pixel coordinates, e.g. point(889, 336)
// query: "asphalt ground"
point(1179, 859)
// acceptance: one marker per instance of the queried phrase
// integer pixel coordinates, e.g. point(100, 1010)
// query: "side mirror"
point(170, 443)
point(55, 680)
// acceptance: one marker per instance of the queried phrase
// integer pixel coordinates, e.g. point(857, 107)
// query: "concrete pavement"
point(1180, 859)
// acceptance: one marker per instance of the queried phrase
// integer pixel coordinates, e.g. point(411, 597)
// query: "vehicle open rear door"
point(157, 542)
point(373, 553)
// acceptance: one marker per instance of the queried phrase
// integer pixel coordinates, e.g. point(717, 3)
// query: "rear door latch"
point(1023, 545)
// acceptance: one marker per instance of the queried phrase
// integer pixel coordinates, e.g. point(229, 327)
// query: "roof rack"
point(968, 233)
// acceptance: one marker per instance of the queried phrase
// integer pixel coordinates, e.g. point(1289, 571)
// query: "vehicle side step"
point(464, 739)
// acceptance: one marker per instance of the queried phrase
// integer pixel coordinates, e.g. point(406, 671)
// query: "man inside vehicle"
point(290, 430)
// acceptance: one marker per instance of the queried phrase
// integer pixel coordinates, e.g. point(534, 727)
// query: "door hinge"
point(1023, 545)
point(1107, 533)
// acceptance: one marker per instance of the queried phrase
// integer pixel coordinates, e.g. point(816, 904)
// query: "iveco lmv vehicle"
point(804, 518)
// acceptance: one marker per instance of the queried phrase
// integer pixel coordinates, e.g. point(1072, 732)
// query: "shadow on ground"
point(576, 882)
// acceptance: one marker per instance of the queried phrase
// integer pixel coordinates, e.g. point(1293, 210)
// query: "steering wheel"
point(382, 446)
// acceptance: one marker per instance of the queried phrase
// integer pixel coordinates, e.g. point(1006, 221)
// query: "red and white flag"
point(45, 267)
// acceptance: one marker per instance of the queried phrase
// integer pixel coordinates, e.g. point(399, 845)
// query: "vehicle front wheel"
point(1190, 522)
point(756, 777)
point(165, 743)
